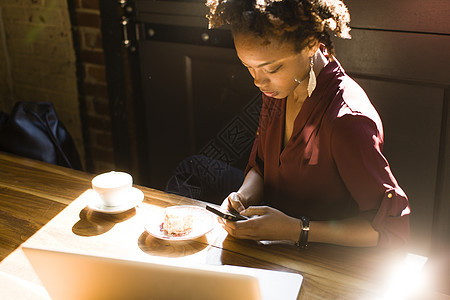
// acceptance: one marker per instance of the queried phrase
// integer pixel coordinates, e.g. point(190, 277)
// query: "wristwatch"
point(303, 239)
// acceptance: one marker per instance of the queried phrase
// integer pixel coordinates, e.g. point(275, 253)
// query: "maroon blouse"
point(332, 167)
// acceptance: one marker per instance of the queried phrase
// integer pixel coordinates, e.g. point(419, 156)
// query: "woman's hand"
point(234, 201)
point(266, 223)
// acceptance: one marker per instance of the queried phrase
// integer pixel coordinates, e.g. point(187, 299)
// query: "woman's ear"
point(313, 46)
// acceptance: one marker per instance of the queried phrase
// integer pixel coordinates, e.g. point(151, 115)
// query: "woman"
point(316, 163)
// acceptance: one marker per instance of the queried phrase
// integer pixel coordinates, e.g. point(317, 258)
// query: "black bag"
point(34, 131)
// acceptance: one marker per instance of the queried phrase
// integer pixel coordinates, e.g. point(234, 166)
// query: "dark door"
point(196, 96)
point(191, 93)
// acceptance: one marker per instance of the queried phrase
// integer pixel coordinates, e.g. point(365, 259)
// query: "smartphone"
point(227, 215)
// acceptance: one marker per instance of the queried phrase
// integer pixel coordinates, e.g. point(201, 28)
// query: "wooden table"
point(43, 205)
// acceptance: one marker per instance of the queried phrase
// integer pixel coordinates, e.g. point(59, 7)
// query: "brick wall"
point(38, 59)
point(98, 138)
point(38, 63)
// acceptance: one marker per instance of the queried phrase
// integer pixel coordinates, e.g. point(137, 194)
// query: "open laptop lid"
point(78, 276)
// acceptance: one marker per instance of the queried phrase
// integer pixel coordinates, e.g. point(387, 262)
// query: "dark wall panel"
point(406, 56)
point(401, 15)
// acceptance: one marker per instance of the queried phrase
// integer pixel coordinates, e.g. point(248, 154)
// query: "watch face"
point(305, 223)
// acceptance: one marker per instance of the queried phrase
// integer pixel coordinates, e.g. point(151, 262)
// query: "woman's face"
point(273, 66)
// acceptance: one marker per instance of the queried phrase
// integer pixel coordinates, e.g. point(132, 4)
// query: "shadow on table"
point(232, 256)
point(93, 223)
point(159, 247)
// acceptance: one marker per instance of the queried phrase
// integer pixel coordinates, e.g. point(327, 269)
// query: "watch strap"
point(303, 239)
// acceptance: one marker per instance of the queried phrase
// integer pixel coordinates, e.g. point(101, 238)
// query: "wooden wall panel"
point(406, 56)
point(442, 211)
point(401, 15)
point(166, 12)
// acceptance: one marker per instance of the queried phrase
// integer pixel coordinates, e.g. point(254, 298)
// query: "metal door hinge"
point(127, 42)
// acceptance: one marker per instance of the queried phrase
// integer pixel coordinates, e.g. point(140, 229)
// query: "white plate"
point(203, 223)
point(134, 197)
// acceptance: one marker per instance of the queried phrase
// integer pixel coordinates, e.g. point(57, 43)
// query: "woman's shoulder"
point(351, 101)
point(346, 94)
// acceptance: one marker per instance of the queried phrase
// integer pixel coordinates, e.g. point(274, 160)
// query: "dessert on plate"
point(177, 222)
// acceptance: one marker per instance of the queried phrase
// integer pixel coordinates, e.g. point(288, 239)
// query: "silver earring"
point(312, 78)
point(296, 80)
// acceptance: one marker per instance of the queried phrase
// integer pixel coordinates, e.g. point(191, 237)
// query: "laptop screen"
point(78, 276)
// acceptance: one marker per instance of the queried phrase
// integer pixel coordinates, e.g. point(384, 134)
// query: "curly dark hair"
point(296, 21)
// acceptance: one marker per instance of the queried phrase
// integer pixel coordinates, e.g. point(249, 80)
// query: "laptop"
point(78, 276)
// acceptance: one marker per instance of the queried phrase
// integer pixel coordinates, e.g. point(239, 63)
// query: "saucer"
point(135, 196)
point(204, 222)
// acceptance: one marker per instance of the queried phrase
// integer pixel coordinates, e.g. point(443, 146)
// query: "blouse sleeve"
point(356, 146)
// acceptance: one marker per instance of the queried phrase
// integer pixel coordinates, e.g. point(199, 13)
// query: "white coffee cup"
point(112, 187)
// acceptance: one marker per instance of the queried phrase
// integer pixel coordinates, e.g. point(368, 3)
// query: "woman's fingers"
point(255, 211)
point(265, 223)
point(232, 202)
point(245, 227)
point(235, 202)
point(239, 229)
